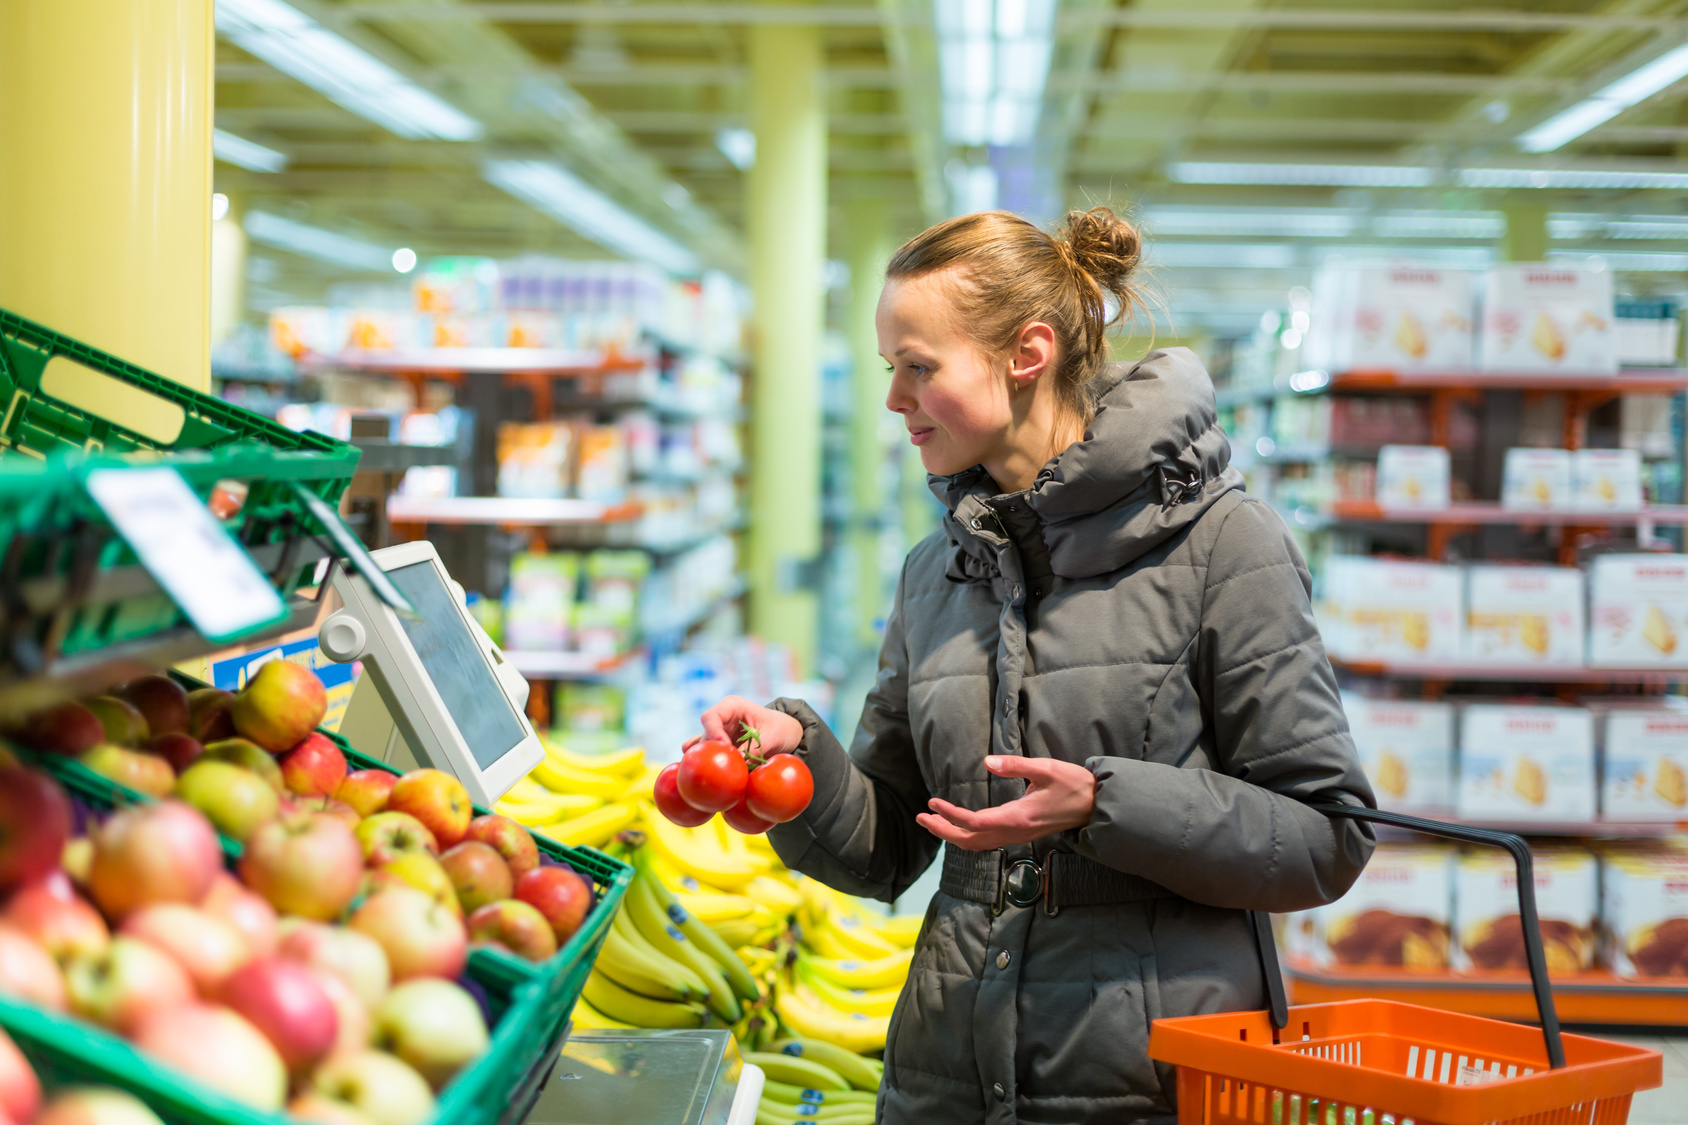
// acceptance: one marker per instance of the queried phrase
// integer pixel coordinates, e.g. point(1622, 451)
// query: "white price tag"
point(183, 546)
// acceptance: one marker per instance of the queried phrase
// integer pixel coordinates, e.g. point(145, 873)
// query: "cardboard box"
point(1487, 934)
point(1398, 914)
point(1396, 318)
point(1524, 614)
point(1538, 479)
point(1548, 316)
point(1644, 764)
point(1607, 479)
point(1407, 749)
point(1413, 476)
point(1644, 912)
point(1638, 611)
point(1383, 609)
point(1523, 764)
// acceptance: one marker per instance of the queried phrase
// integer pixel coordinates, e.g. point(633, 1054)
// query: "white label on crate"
point(182, 545)
point(1475, 1075)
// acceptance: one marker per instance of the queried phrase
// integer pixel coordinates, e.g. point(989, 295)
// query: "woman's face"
point(953, 397)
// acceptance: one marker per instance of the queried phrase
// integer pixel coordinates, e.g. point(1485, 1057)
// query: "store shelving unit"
point(1490, 672)
point(508, 511)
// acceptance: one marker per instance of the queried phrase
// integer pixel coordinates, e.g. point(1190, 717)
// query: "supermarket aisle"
point(1668, 1105)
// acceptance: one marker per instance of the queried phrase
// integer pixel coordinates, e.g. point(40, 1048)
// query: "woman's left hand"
point(1059, 796)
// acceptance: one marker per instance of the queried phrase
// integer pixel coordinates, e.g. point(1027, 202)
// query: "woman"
point(1101, 686)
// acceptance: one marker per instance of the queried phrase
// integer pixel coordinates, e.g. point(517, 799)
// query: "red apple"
point(315, 767)
point(422, 872)
point(206, 946)
point(512, 841)
point(366, 790)
point(66, 728)
point(356, 960)
point(55, 917)
point(438, 800)
point(558, 893)
point(20, 1090)
point(28, 972)
point(180, 750)
point(280, 705)
point(162, 702)
point(354, 1022)
point(320, 1109)
point(125, 982)
point(389, 1091)
point(304, 864)
point(478, 873)
point(287, 1002)
point(433, 1025)
point(328, 806)
point(34, 825)
point(421, 937)
point(123, 722)
point(96, 1105)
point(166, 852)
point(220, 1049)
point(236, 799)
point(245, 910)
point(388, 835)
point(209, 719)
point(515, 926)
point(248, 755)
point(140, 771)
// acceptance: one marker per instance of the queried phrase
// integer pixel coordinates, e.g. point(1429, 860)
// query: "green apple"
point(389, 1091)
point(236, 799)
point(248, 755)
point(432, 1024)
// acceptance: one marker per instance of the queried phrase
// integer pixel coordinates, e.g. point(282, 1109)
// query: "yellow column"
point(228, 273)
point(105, 195)
point(1526, 229)
point(873, 496)
point(786, 194)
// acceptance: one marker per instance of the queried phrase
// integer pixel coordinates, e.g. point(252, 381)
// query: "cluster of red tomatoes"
point(751, 793)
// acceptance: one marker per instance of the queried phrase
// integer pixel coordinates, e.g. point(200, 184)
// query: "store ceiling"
point(1382, 127)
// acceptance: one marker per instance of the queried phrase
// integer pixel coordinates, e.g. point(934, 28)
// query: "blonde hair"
point(1010, 273)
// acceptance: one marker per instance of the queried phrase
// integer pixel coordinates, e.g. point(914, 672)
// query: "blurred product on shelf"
point(1488, 935)
point(606, 616)
point(1397, 914)
point(1407, 750)
point(1398, 318)
point(602, 470)
point(1548, 317)
point(1644, 912)
point(1644, 768)
point(1524, 614)
point(588, 708)
point(1413, 476)
point(1648, 332)
point(533, 459)
point(1520, 764)
point(539, 605)
point(1638, 610)
point(1383, 609)
point(1537, 480)
point(1606, 479)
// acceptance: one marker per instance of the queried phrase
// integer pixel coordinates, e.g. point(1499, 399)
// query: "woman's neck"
point(1042, 428)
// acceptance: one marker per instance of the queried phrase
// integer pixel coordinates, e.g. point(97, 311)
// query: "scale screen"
point(452, 658)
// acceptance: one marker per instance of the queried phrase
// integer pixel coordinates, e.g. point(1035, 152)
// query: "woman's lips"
point(919, 436)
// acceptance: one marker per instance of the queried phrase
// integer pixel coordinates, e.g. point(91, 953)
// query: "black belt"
point(1062, 879)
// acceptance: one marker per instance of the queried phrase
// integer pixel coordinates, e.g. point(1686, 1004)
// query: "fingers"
point(960, 837)
point(1034, 769)
point(966, 818)
point(690, 742)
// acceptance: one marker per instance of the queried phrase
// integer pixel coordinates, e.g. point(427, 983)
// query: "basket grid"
point(1231, 1102)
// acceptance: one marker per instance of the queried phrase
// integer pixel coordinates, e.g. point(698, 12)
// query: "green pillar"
point(786, 194)
point(1526, 229)
point(872, 493)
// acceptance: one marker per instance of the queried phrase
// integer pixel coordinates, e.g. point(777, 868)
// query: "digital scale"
point(436, 691)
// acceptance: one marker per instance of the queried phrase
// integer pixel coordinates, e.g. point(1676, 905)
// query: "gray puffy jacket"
point(1137, 612)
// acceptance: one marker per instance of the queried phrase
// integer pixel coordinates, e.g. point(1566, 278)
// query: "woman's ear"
point(1033, 354)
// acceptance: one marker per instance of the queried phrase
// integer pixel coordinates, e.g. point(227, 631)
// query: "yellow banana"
point(642, 970)
point(627, 762)
point(593, 829)
point(642, 785)
point(785, 1094)
point(559, 807)
point(853, 932)
point(869, 1001)
point(560, 777)
point(702, 937)
point(851, 1067)
point(732, 844)
point(773, 894)
point(736, 933)
point(529, 792)
point(712, 908)
point(901, 930)
point(882, 972)
point(681, 974)
point(588, 1018)
point(802, 1013)
point(630, 1008)
point(757, 960)
point(686, 850)
point(775, 1113)
point(648, 916)
point(794, 1071)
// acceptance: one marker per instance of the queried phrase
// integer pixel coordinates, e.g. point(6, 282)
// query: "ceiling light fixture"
point(348, 75)
point(738, 146)
point(250, 155)
point(1629, 261)
point(993, 65)
point(1636, 86)
point(314, 242)
point(404, 259)
point(583, 208)
point(1309, 175)
point(1569, 178)
point(1565, 226)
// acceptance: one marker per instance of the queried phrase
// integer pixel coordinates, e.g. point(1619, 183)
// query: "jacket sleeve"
point(858, 834)
point(1229, 829)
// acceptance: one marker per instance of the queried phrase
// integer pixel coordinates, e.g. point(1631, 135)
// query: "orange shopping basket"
point(1378, 1062)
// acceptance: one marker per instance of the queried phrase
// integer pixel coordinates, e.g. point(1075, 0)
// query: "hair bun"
point(1103, 245)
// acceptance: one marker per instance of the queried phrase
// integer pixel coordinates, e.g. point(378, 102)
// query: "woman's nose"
point(897, 399)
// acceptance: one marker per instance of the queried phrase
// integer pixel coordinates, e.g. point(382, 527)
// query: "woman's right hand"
point(725, 722)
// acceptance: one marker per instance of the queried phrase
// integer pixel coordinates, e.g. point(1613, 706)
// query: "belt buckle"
point(1022, 883)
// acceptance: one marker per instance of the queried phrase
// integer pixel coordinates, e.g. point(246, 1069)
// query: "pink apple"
point(55, 917)
point(388, 835)
point(356, 959)
point(237, 800)
point(220, 1049)
point(511, 840)
point(208, 714)
point(281, 704)
point(366, 790)
point(287, 1002)
point(328, 806)
point(140, 771)
point(180, 750)
point(96, 1105)
point(162, 702)
point(315, 767)
point(207, 947)
point(125, 982)
point(34, 825)
point(320, 1109)
point(20, 1090)
point(421, 937)
point(388, 1090)
point(166, 852)
point(304, 864)
point(434, 1025)
point(28, 972)
point(66, 728)
point(247, 911)
point(478, 873)
point(354, 1023)
point(438, 800)
point(515, 926)
point(558, 893)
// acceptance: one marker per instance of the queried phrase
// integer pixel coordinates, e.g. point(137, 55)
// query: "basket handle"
point(1533, 952)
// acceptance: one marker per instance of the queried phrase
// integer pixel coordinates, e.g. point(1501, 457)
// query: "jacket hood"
point(1152, 460)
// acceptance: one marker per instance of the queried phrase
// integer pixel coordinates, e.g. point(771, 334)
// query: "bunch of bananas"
point(581, 800)
point(813, 1080)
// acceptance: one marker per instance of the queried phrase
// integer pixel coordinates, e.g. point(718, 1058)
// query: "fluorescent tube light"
point(1288, 222)
point(1439, 224)
point(738, 146)
point(314, 242)
point(1568, 178)
point(1314, 175)
point(1636, 86)
point(1629, 261)
point(348, 75)
point(1568, 225)
point(1215, 255)
point(993, 66)
point(583, 208)
point(250, 155)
